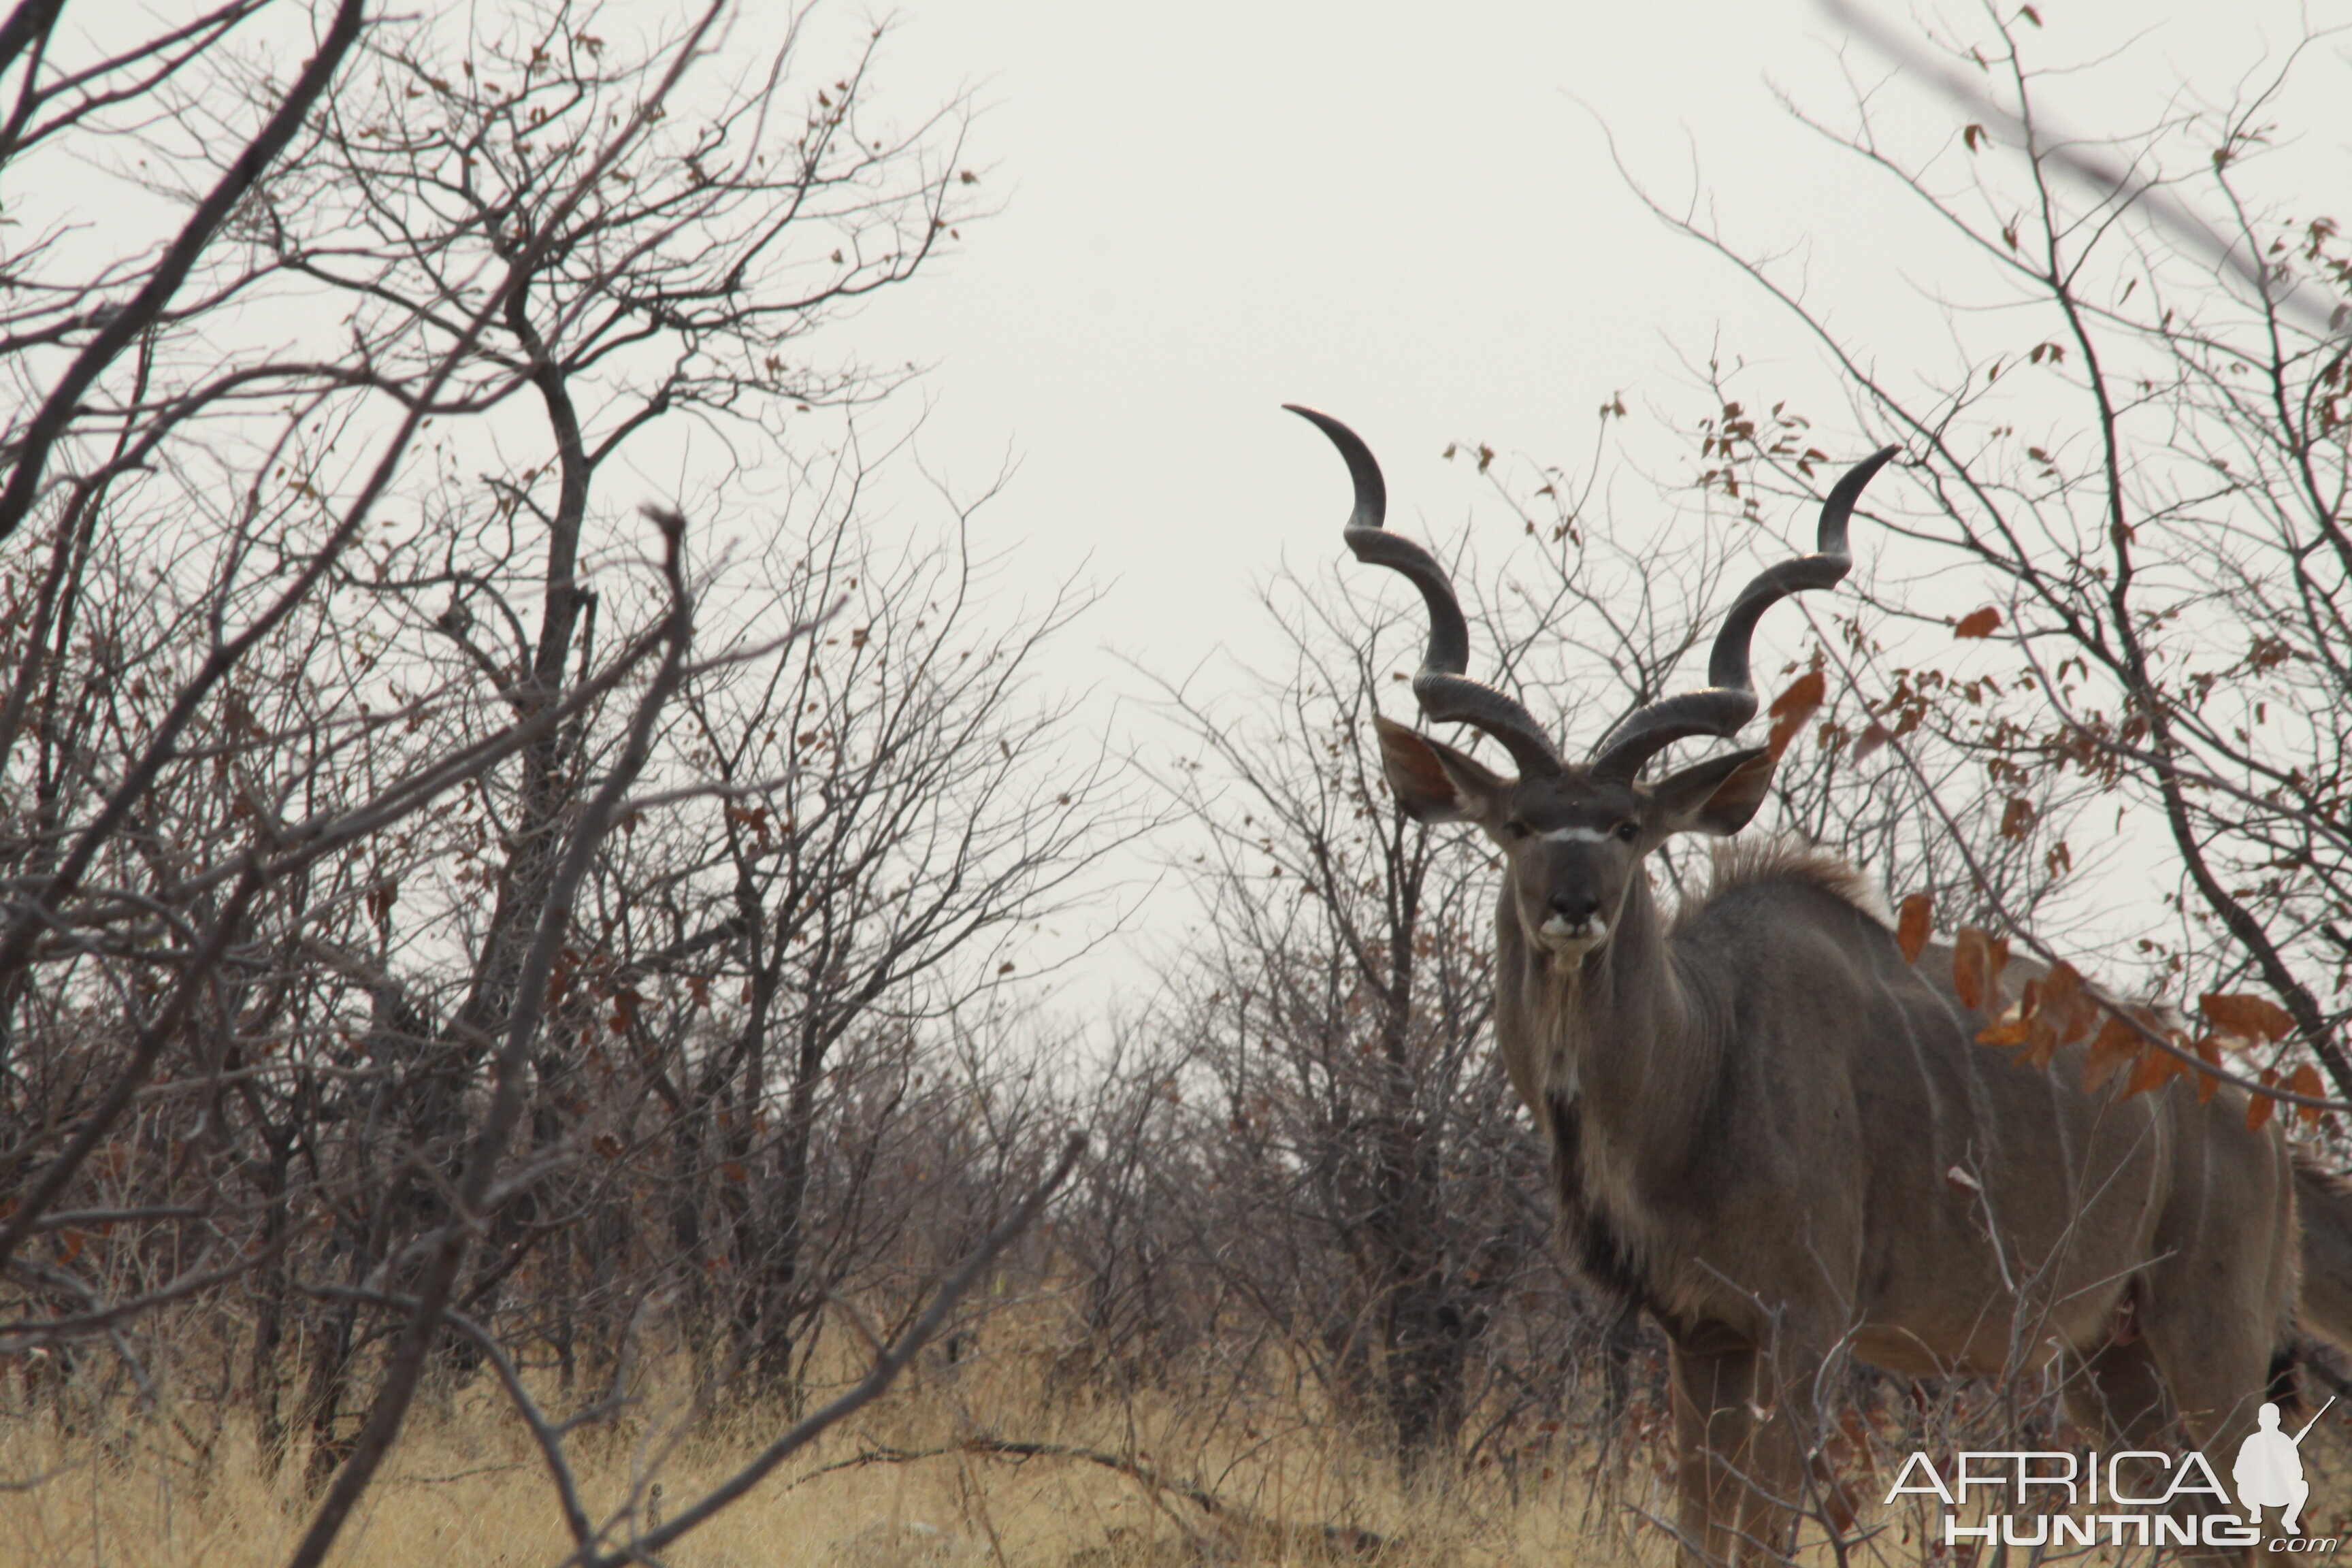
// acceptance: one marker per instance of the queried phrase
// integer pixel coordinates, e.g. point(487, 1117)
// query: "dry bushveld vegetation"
point(935, 1476)
point(514, 1038)
point(986, 1458)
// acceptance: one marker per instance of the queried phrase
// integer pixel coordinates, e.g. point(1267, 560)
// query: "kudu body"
point(1778, 1137)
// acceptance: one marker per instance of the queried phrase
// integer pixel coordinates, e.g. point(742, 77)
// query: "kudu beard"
point(2104, 1508)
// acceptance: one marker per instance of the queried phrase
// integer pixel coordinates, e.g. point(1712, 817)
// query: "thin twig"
point(885, 1371)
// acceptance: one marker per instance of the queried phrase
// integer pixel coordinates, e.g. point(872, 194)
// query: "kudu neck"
point(1639, 1022)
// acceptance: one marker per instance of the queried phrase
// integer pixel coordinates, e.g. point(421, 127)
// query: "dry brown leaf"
point(1977, 959)
point(2052, 1011)
point(1911, 925)
point(2066, 1010)
point(1857, 1434)
point(2118, 1046)
point(2012, 1029)
point(1977, 623)
point(2210, 1050)
point(2259, 1106)
point(2305, 1079)
point(2156, 1069)
point(1792, 707)
point(2251, 1017)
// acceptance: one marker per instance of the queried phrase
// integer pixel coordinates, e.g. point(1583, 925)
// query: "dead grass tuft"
point(967, 1466)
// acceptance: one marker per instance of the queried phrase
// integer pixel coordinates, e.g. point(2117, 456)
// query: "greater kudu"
point(1778, 1136)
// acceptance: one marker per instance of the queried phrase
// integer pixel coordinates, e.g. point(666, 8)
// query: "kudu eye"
point(1629, 831)
point(1518, 830)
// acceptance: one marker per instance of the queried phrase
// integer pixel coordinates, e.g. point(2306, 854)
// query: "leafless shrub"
point(448, 921)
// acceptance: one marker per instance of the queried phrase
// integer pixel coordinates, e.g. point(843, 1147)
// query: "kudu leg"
point(2117, 1399)
point(1735, 1474)
point(2132, 1395)
point(2218, 1371)
point(2216, 1309)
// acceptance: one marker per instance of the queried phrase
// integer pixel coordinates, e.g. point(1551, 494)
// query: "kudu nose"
point(1574, 908)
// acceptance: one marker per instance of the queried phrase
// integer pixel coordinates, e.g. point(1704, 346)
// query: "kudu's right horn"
point(1440, 686)
point(1728, 699)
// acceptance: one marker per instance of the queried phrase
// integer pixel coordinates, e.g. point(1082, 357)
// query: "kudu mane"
point(1738, 862)
point(1777, 1134)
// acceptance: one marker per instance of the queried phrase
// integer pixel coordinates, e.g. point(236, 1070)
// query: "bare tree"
point(2145, 461)
point(1625, 599)
point(388, 812)
point(900, 813)
point(1379, 1185)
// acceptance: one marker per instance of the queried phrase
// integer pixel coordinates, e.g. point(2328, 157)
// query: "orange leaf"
point(1976, 960)
point(2210, 1051)
point(1871, 738)
point(1978, 623)
point(2156, 1069)
point(2117, 1044)
point(2062, 989)
point(2052, 1011)
point(1911, 925)
point(2259, 1106)
point(2066, 1011)
point(1804, 695)
point(2305, 1080)
point(1968, 966)
point(1792, 707)
point(2253, 1017)
point(2040, 1045)
point(2010, 1031)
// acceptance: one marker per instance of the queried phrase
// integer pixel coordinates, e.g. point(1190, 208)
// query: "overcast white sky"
point(1408, 215)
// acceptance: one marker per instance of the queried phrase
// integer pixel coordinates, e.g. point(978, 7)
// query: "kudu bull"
point(1778, 1136)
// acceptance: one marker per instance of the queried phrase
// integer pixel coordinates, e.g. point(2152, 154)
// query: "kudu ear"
point(1433, 782)
point(1717, 797)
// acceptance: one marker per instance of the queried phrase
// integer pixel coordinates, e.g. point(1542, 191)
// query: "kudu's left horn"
point(1441, 688)
point(1728, 699)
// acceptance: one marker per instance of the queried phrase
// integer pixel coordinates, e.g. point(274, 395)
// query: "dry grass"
point(978, 1465)
point(912, 1483)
